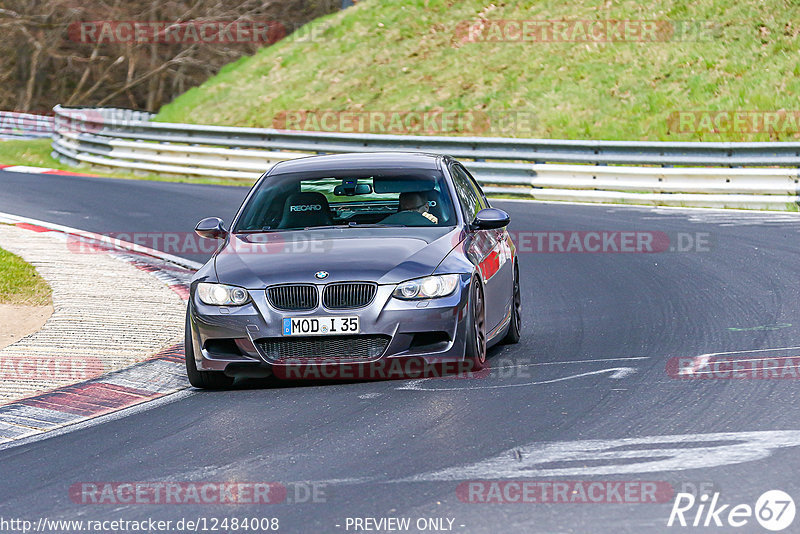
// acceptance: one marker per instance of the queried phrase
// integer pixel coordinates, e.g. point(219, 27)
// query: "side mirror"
point(490, 219)
point(211, 228)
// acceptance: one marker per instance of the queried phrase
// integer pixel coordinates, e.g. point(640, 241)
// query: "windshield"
point(349, 199)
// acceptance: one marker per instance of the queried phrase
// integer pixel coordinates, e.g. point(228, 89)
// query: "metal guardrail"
point(583, 170)
point(25, 125)
point(113, 122)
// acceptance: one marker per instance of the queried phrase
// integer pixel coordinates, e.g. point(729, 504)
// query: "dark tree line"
point(47, 57)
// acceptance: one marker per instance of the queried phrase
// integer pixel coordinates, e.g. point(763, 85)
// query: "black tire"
point(515, 326)
point(475, 350)
point(201, 379)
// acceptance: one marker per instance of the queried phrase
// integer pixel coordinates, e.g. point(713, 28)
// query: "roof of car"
point(376, 160)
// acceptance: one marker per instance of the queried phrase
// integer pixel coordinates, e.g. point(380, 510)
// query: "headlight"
point(222, 295)
point(430, 287)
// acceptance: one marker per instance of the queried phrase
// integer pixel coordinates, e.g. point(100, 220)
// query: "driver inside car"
point(413, 211)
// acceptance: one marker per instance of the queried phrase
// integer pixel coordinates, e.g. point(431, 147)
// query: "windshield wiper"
point(326, 227)
point(376, 225)
point(351, 224)
point(265, 230)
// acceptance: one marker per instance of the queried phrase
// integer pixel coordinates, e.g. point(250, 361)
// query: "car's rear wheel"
point(515, 326)
point(475, 350)
point(201, 379)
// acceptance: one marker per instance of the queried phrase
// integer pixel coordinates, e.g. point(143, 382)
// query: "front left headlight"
point(221, 294)
point(430, 287)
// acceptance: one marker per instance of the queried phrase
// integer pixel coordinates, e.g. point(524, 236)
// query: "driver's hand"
point(433, 218)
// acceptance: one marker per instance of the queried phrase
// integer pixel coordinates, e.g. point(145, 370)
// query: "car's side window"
point(474, 182)
point(467, 196)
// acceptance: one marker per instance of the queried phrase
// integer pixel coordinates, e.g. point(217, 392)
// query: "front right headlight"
point(430, 287)
point(222, 295)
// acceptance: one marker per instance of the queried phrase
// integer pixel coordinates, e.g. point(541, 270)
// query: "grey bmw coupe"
point(353, 259)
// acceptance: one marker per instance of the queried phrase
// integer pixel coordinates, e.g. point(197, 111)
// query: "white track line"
point(617, 372)
point(8, 217)
point(748, 351)
point(567, 362)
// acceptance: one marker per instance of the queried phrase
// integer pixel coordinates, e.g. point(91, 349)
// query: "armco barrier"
point(25, 125)
point(594, 171)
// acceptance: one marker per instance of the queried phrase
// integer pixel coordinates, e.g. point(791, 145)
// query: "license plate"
point(320, 326)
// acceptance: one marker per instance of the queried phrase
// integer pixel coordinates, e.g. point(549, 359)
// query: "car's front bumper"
point(432, 331)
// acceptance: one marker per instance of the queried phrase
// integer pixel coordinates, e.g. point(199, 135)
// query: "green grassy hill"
point(414, 55)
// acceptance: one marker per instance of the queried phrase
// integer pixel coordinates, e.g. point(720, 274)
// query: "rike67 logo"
point(774, 511)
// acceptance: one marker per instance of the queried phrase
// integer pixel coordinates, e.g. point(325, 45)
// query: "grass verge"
point(20, 283)
point(36, 153)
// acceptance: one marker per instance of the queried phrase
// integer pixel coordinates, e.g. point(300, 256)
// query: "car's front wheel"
point(201, 379)
point(475, 350)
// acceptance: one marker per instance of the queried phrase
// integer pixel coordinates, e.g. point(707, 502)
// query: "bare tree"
point(47, 60)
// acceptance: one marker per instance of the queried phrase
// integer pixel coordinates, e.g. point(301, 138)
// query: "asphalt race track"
point(599, 329)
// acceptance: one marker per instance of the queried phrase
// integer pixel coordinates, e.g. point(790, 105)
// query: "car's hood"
point(383, 255)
